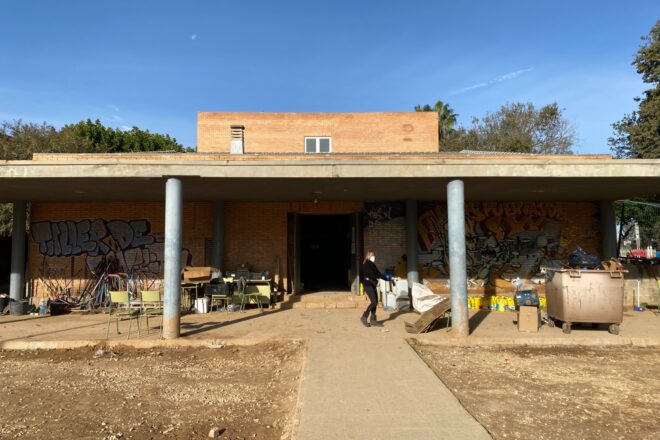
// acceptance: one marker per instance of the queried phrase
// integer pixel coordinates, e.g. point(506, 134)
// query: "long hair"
point(368, 255)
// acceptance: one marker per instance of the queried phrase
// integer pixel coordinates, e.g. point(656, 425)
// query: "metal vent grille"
point(236, 146)
point(237, 132)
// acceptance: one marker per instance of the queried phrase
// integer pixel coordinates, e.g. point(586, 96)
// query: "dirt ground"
point(248, 392)
point(552, 392)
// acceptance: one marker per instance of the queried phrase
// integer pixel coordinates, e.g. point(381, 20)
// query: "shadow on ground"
point(190, 329)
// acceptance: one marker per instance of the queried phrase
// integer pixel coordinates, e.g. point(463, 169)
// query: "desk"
point(262, 287)
point(187, 292)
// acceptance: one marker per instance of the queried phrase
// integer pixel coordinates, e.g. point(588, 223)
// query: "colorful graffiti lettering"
point(503, 239)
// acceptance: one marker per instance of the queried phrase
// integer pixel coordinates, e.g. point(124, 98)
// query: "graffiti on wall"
point(503, 239)
point(66, 238)
point(381, 213)
point(121, 245)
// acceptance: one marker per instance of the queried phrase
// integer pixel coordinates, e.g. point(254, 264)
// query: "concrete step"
point(340, 300)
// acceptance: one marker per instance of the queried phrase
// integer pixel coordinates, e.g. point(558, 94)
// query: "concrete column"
point(16, 279)
point(218, 244)
point(172, 275)
point(411, 242)
point(608, 230)
point(457, 258)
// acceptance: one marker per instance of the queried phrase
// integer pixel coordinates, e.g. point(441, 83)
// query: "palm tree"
point(447, 117)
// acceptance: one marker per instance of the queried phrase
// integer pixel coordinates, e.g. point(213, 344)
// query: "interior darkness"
point(325, 252)
point(5, 264)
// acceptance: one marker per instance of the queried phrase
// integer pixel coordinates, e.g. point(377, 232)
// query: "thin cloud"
point(113, 107)
point(117, 118)
point(193, 37)
point(498, 79)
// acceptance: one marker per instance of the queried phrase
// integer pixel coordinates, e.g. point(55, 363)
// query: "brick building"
point(302, 196)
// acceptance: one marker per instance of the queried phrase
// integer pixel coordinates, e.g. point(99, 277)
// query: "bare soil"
point(552, 392)
point(247, 392)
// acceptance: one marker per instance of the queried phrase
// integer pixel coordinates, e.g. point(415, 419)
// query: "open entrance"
point(325, 252)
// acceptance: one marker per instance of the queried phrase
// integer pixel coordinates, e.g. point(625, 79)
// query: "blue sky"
point(155, 64)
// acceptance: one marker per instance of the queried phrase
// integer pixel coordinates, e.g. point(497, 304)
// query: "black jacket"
point(370, 273)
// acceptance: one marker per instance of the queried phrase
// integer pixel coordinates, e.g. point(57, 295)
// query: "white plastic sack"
point(423, 298)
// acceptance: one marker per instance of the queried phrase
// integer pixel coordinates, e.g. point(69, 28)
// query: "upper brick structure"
point(409, 132)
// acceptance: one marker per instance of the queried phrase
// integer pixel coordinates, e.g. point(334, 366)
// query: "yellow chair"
point(151, 304)
point(120, 307)
point(248, 292)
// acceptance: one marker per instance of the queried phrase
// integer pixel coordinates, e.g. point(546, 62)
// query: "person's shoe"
point(365, 322)
point(373, 322)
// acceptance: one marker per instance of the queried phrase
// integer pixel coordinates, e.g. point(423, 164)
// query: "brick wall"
point(256, 232)
point(385, 232)
point(504, 239)
point(350, 132)
point(68, 240)
point(354, 154)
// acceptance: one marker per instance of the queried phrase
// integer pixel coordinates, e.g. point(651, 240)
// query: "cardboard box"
point(529, 319)
point(202, 274)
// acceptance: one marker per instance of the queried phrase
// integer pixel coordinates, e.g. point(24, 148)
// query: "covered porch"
point(222, 181)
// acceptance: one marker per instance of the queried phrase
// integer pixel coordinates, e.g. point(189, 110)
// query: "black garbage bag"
point(580, 259)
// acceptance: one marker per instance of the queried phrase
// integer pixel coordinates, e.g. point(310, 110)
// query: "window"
point(318, 144)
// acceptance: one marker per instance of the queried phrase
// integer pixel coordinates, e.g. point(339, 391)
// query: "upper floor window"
point(318, 144)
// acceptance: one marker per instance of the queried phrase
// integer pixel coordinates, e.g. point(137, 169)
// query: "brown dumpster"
point(585, 296)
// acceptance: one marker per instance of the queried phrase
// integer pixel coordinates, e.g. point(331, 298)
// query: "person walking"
point(370, 277)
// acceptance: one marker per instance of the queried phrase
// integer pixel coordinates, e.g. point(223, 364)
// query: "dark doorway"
point(5, 264)
point(325, 254)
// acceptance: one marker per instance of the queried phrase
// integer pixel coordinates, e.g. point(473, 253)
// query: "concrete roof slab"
point(513, 179)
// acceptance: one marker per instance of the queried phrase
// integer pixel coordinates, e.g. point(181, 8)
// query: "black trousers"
point(370, 290)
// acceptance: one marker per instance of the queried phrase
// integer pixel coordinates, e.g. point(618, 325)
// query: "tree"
point(446, 118)
point(20, 140)
point(640, 214)
point(517, 127)
point(95, 137)
point(5, 219)
point(637, 135)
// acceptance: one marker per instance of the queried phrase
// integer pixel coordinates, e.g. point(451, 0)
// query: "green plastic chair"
point(221, 298)
point(151, 304)
point(245, 295)
point(120, 307)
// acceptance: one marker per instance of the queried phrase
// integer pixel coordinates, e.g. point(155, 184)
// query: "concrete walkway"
point(367, 383)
